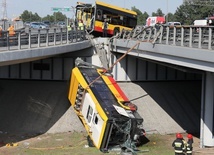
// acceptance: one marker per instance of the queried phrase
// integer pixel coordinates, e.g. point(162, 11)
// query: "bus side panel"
point(111, 27)
point(73, 89)
point(90, 113)
point(98, 26)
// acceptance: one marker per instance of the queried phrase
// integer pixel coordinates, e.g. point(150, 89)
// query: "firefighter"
point(179, 144)
point(189, 144)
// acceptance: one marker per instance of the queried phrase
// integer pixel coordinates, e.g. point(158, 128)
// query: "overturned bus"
point(109, 118)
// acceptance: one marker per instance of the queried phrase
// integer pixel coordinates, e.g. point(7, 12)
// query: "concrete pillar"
point(207, 127)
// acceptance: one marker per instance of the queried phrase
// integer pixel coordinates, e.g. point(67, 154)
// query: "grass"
point(76, 144)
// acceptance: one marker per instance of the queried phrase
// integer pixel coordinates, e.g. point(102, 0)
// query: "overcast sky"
point(43, 7)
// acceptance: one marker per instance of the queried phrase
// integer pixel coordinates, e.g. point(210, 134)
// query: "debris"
point(11, 144)
point(86, 146)
point(26, 144)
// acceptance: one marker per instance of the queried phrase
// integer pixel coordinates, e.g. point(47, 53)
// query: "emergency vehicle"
point(151, 21)
point(109, 118)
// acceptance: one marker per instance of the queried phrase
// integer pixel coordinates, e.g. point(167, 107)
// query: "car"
point(38, 25)
point(61, 24)
point(173, 24)
point(27, 24)
point(46, 22)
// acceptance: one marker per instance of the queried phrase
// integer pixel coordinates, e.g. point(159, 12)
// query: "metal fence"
point(188, 36)
point(36, 38)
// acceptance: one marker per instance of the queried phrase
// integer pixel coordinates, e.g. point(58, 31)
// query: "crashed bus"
point(93, 16)
point(109, 118)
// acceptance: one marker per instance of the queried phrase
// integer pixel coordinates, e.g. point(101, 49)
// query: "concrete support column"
point(207, 125)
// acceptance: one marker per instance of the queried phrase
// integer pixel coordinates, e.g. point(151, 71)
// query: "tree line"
point(185, 14)
point(28, 16)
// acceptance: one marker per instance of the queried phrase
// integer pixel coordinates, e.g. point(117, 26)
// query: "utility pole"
point(4, 9)
point(167, 11)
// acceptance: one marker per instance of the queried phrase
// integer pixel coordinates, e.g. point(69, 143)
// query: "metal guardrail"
point(186, 36)
point(37, 38)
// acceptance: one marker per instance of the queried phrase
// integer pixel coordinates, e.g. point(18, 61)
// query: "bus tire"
point(116, 30)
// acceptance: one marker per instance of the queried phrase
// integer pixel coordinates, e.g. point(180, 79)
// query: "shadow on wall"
point(181, 100)
point(30, 108)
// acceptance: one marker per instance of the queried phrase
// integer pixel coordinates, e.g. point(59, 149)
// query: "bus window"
point(99, 14)
point(89, 114)
point(124, 21)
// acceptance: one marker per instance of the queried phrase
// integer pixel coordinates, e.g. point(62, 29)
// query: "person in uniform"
point(189, 146)
point(80, 25)
point(179, 144)
point(0, 31)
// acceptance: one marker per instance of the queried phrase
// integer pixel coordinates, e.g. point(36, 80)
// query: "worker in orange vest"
point(0, 31)
point(11, 30)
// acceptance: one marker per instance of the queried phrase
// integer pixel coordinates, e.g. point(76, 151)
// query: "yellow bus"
point(109, 118)
point(93, 17)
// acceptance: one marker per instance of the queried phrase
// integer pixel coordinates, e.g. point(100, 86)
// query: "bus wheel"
point(116, 30)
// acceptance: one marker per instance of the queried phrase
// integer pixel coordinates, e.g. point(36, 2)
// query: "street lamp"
point(166, 11)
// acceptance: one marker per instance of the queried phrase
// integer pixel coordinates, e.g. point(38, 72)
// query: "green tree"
point(145, 16)
point(29, 16)
point(159, 12)
point(170, 17)
point(188, 12)
point(58, 16)
point(26, 16)
point(139, 15)
point(48, 18)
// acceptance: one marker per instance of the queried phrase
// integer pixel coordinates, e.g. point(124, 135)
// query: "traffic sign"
point(60, 9)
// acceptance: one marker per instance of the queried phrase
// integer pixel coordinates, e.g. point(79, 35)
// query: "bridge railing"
point(188, 36)
point(37, 38)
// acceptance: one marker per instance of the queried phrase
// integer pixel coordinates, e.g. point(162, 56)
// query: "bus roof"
point(115, 7)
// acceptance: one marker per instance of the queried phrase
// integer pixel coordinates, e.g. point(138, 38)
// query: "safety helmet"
point(189, 136)
point(178, 135)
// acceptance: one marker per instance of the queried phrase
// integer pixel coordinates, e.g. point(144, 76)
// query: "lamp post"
point(166, 11)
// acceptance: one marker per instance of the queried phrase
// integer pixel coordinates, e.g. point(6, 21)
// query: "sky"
point(43, 7)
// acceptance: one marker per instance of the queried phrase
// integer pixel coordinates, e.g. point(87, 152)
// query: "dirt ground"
point(76, 144)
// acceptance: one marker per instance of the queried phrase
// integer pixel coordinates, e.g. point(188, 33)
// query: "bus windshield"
point(93, 17)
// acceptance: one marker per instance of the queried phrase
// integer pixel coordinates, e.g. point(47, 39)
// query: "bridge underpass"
point(45, 99)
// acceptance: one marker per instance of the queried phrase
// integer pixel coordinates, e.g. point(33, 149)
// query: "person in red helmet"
point(179, 144)
point(189, 147)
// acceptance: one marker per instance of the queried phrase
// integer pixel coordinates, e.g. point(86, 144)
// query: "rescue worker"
point(179, 144)
point(11, 30)
point(189, 147)
point(105, 28)
point(69, 27)
point(0, 31)
point(80, 25)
